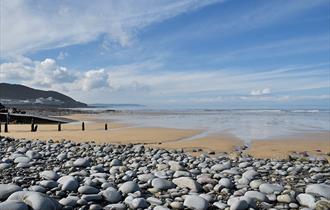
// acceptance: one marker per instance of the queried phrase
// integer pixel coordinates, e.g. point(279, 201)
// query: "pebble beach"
point(164, 105)
point(63, 174)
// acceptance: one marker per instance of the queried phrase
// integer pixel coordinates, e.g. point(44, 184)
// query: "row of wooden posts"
point(34, 127)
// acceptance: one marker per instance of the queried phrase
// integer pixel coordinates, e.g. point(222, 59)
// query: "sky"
point(169, 53)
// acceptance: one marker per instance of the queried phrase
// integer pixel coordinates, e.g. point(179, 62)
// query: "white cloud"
point(146, 82)
point(221, 81)
point(28, 25)
point(285, 98)
point(93, 79)
point(46, 73)
point(259, 92)
point(15, 71)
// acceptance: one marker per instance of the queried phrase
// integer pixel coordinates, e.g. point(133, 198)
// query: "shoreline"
point(170, 138)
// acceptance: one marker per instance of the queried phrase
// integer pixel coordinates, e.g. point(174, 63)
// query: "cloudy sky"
point(169, 53)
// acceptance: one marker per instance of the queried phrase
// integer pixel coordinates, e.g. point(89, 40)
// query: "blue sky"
point(206, 54)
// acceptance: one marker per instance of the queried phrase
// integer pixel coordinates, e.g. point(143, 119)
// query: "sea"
point(246, 124)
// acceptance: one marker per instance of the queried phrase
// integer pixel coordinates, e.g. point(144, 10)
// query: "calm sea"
point(246, 124)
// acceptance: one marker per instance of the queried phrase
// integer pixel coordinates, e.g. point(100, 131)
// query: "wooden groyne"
point(27, 119)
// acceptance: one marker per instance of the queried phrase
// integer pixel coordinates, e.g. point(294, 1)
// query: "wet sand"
point(116, 133)
point(313, 143)
point(173, 138)
point(220, 143)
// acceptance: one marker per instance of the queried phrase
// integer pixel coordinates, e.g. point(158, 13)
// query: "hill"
point(20, 95)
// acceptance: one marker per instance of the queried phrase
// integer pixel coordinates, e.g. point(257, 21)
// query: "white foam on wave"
point(304, 110)
point(246, 125)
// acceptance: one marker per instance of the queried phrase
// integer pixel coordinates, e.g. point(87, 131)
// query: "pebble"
point(195, 202)
point(239, 205)
point(129, 187)
point(161, 208)
point(306, 200)
point(226, 183)
point(254, 184)
point(112, 196)
point(88, 190)
point(319, 189)
point(69, 201)
point(7, 189)
point(81, 162)
point(69, 183)
point(176, 205)
point(187, 182)
point(256, 195)
point(138, 203)
point(270, 188)
point(162, 184)
point(37, 201)
point(13, 205)
point(49, 175)
point(71, 176)
point(284, 198)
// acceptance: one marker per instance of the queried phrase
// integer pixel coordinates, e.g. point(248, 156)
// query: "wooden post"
point(32, 125)
point(83, 126)
point(59, 127)
point(35, 128)
point(6, 127)
point(106, 126)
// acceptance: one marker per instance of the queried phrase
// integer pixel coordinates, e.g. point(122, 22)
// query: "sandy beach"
point(116, 133)
point(313, 143)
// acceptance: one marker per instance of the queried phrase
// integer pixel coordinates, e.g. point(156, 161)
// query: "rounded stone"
point(195, 202)
point(112, 196)
point(22, 159)
point(69, 201)
point(4, 166)
point(49, 175)
point(95, 207)
point(13, 205)
point(284, 198)
point(250, 174)
point(306, 200)
point(145, 177)
point(176, 205)
point(256, 195)
point(226, 183)
point(91, 197)
point(33, 154)
point(116, 206)
point(188, 182)
point(129, 187)
point(161, 208)
point(319, 190)
point(7, 189)
point(50, 184)
point(88, 190)
point(36, 200)
point(69, 183)
point(254, 184)
point(116, 162)
point(270, 188)
point(239, 205)
point(139, 203)
point(81, 162)
point(162, 184)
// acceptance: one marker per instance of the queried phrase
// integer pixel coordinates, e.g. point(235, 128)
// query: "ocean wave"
point(306, 110)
